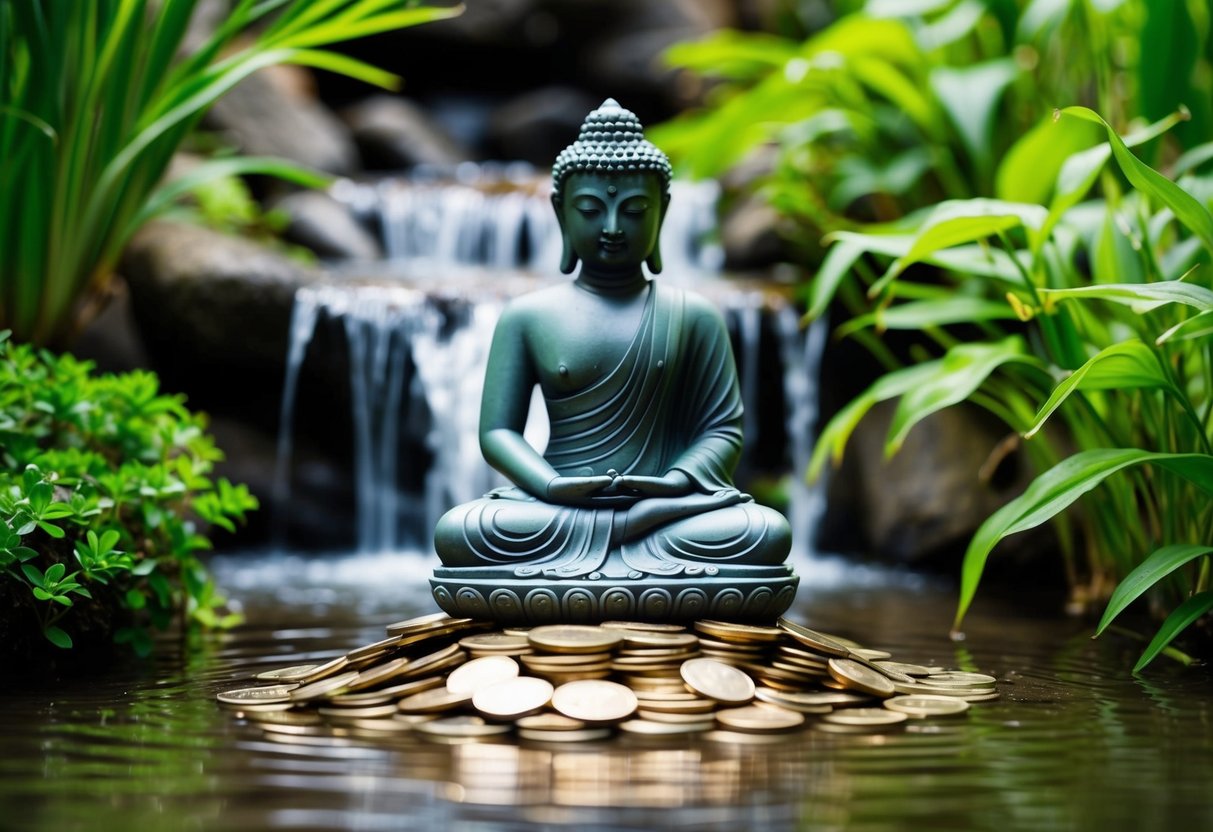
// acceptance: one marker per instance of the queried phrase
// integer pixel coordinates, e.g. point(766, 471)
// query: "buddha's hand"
point(673, 484)
point(576, 491)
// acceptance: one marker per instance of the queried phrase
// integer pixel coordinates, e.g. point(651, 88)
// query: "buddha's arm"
point(509, 379)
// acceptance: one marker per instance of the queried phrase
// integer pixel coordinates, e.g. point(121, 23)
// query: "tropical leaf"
point(1058, 488)
point(1140, 297)
point(956, 309)
point(1127, 365)
point(970, 96)
point(1178, 621)
point(1161, 563)
point(957, 375)
point(1198, 326)
point(1029, 170)
point(1195, 216)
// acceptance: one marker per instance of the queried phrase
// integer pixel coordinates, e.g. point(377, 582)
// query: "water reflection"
point(1075, 742)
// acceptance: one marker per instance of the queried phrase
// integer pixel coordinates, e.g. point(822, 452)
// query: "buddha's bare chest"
point(582, 343)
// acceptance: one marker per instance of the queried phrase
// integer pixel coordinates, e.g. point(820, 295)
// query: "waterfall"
point(418, 341)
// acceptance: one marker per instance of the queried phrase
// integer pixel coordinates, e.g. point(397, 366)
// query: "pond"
point(1075, 742)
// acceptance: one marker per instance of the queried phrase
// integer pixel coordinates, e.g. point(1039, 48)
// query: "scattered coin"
point(595, 701)
point(738, 632)
point(718, 681)
point(924, 705)
point(550, 722)
point(585, 735)
point(479, 673)
point(759, 718)
point(434, 700)
point(866, 717)
point(436, 620)
point(294, 673)
point(513, 698)
point(644, 627)
point(856, 676)
point(269, 695)
point(574, 638)
point(324, 687)
point(461, 726)
point(648, 727)
point(814, 640)
point(494, 643)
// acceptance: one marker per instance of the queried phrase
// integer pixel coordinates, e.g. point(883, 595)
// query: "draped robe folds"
point(672, 402)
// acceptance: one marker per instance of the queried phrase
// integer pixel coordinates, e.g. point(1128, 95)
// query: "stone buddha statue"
point(631, 511)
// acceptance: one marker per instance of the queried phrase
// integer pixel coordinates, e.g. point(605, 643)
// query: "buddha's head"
point(610, 189)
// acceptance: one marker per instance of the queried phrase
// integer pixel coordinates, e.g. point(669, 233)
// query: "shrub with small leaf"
point(105, 495)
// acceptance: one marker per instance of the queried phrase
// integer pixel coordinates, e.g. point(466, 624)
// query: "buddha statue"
point(630, 511)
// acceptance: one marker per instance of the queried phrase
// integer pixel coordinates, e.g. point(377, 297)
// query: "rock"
point(920, 507)
point(394, 133)
point(270, 114)
point(749, 232)
point(324, 225)
point(537, 125)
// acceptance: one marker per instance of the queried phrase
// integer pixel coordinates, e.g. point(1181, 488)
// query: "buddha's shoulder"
point(697, 309)
point(539, 304)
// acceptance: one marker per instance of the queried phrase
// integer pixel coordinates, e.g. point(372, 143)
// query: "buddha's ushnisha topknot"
point(611, 141)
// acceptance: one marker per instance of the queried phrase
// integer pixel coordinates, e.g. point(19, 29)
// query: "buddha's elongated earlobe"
point(568, 257)
point(653, 261)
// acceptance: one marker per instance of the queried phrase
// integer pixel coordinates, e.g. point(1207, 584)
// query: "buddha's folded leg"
point(532, 536)
point(742, 534)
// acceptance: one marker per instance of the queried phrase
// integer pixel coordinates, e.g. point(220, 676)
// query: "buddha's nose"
point(612, 230)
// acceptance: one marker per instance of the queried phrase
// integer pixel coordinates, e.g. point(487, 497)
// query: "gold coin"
point(647, 727)
point(593, 700)
point(550, 722)
point(324, 687)
point(866, 717)
point(437, 660)
point(870, 654)
point(739, 632)
point(960, 678)
point(742, 738)
point(717, 680)
point(690, 706)
point(958, 691)
point(461, 726)
point(494, 642)
point(574, 638)
point(814, 640)
point(887, 672)
point(759, 718)
point(379, 674)
point(635, 639)
point(774, 697)
point(585, 735)
point(674, 718)
point(266, 695)
point(433, 621)
point(643, 627)
point(923, 705)
point(294, 673)
point(373, 650)
point(329, 668)
point(513, 698)
point(366, 712)
point(815, 698)
point(389, 694)
point(564, 661)
point(479, 673)
point(907, 669)
point(431, 701)
point(674, 660)
point(859, 677)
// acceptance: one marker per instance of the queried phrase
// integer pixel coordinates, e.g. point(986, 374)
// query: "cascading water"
point(418, 343)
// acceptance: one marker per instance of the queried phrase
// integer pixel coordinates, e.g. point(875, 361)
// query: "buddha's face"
point(612, 220)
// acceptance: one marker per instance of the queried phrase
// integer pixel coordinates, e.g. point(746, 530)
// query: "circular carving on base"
point(618, 603)
point(783, 600)
point(505, 604)
point(656, 604)
point(541, 605)
point(727, 603)
point(471, 603)
point(691, 603)
point(578, 605)
point(759, 602)
point(442, 596)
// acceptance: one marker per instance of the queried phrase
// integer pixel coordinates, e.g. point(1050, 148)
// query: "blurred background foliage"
point(947, 162)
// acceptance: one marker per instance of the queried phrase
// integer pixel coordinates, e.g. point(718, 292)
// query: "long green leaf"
point(970, 97)
point(1055, 490)
point(928, 313)
point(1127, 365)
point(957, 375)
point(1198, 326)
point(1178, 621)
point(1195, 216)
point(1140, 297)
point(1161, 563)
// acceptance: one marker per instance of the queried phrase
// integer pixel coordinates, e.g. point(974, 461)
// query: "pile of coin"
point(456, 680)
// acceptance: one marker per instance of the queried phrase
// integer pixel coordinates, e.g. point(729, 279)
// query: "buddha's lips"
point(612, 245)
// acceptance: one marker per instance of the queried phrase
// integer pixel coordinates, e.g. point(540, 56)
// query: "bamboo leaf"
point(1140, 297)
point(1161, 563)
point(960, 372)
point(1195, 216)
point(970, 97)
point(1029, 170)
point(1178, 621)
point(1055, 490)
point(927, 313)
point(1130, 364)
point(1198, 326)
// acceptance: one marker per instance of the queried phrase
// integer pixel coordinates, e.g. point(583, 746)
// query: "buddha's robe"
point(672, 402)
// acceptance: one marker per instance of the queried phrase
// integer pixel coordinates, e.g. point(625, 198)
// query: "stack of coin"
point(449, 680)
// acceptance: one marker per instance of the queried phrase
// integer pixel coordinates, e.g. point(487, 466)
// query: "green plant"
point(102, 483)
point(899, 105)
point(96, 96)
point(1109, 335)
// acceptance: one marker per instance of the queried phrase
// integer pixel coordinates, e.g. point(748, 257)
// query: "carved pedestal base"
point(733, 593)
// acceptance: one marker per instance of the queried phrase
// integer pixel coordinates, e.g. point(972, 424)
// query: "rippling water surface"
point(1075, 742)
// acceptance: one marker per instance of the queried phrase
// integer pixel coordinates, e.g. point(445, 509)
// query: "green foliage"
point(1115, 354)
point(95, 97)
point(102, 483)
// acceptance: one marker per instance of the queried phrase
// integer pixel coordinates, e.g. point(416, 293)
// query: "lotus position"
point(641, 391)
